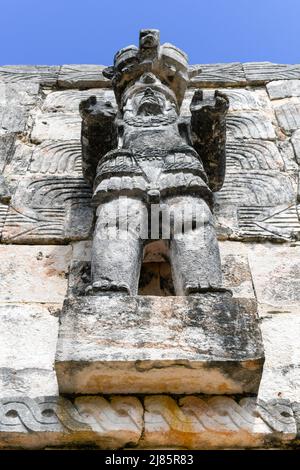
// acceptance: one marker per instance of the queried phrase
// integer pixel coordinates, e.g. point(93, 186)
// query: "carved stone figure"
point(146, 151)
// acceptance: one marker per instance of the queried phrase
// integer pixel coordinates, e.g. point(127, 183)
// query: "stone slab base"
point(192, 422)
point(206, 344)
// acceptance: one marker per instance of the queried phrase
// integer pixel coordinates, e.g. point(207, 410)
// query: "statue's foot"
point(197, 289)
point(107, 288)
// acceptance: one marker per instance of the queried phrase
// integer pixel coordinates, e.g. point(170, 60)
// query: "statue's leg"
point(117, 252)
point(194, 250)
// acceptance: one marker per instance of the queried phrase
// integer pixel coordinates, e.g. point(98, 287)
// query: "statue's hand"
point(92, 109)
point(217, 105)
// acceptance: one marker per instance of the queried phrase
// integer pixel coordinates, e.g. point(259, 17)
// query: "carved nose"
point(148, 78)
point(148, 92)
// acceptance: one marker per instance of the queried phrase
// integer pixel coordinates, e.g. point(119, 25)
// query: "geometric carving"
point(57, 157)
point(109, 424)
point(240, 99)
point(196, 422)
point(44, 74)
point(82, 76)
point(253, 155)
point(269, 222)
point(263, 72)
point(256, 187)
point(218, 74)
point(250, 125)
point(192, 422)
point(48, 210)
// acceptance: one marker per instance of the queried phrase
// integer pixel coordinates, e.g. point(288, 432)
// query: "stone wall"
point(46, 222)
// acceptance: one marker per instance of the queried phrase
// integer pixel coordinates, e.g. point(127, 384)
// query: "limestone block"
point(55, 421)
point(288, 114)
point(12, 118)
point(82, 76)
point(4, 191)
point(254, 154)
point(262, 72)
point(283, 89)
point(236, 269)
point(28, 336)
point(68, 101)
point(3, 213)
point(245, 100)
point(56, 126)
point(49, 209)
point(281, 374)
point(231, 74)
point(250, 125)
point(112, 344)
point(43, 74)
point(210, 423)
point(33, 273)
point(57, 157)
point(275, 273)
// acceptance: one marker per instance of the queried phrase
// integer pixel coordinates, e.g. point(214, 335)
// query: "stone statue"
point(146, 151)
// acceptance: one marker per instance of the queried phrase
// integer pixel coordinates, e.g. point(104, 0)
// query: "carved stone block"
point(49, 209)
point(68, 101)
point(288, 115)
point(283, 89)
point(82, 76)
point(28, 335)
point(56, 421)
point(211, 423)
point(262, 72)
point(218, 75)
point(56, 126)
point(210, 343)
point(250, 125)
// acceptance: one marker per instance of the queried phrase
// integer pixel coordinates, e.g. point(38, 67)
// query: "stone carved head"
point(161, 68)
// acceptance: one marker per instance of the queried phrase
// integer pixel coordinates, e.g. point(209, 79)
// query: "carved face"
point(149, 97)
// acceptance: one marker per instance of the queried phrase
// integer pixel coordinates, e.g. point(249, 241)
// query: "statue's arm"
point(208, 132)
point(98, 133)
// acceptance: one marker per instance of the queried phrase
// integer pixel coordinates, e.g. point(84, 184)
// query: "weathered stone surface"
point(56, 421)
point(28, 336)
point(6, 149)
point(49, 209)
point(33, 273)
point(57, 158)
point(288, 115)
point(283, 89)
point(236, 270)
point(253, 154)
point(191, 423)
point(218, 75)
point(276, 279)
point(281, 374)
point(82, 76)
point(296, 145)
point(263, 72)
point(56, 126)
point(250, 125)
point(19, 160)
point(4, 191)
point(209, 423)
point(68, 101)
point(43, 74)
point(209, 344)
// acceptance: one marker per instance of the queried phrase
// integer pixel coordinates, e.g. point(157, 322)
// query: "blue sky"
point(91, 31)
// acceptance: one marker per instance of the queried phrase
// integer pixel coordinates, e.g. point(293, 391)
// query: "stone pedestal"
point(209, 343)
